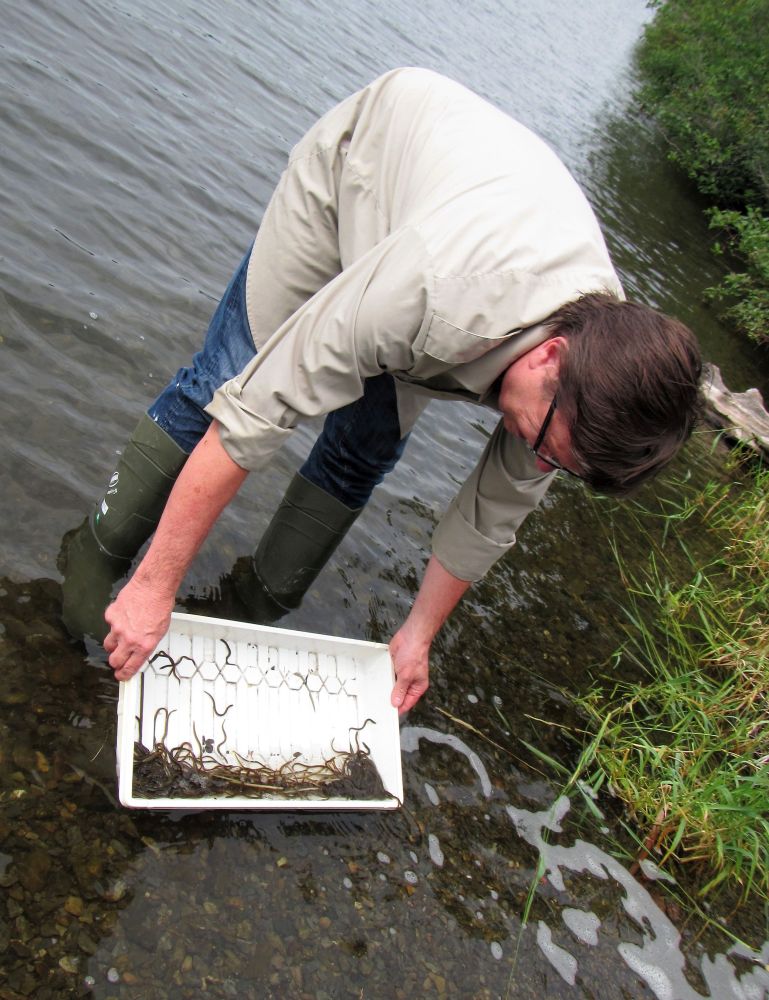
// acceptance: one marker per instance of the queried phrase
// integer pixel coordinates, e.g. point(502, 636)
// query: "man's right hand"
point(138, 620)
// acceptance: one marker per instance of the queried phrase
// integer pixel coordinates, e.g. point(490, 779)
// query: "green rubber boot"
point(99, 552)
point(301, 538)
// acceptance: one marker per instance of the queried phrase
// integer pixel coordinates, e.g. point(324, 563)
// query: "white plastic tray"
point(267, 695)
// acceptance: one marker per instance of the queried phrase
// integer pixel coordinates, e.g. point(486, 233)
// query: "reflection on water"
point(139, 144)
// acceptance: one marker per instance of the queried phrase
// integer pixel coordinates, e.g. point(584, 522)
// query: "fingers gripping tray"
point(227, 715)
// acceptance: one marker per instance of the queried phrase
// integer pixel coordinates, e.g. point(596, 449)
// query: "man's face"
point(527, 390)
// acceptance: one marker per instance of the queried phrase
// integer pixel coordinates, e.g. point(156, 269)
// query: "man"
point(420, 243)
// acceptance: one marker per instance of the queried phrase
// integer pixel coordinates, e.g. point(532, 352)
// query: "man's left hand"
point(410, 660)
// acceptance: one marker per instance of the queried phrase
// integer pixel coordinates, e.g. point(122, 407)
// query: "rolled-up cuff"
point(248, 438)
point(462, 549)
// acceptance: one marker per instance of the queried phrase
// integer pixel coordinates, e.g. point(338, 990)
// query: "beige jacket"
point(416, 230)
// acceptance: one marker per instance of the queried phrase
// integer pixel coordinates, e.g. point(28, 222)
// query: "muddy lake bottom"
point(106, 902)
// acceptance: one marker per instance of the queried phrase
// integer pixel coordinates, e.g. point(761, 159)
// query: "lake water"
point(139, 144)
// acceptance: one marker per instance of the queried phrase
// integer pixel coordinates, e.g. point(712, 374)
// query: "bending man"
point(420, 243)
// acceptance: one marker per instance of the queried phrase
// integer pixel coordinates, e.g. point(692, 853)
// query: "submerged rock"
point(33, 870)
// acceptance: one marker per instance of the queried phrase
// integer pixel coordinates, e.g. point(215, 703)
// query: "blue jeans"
point(359, 443)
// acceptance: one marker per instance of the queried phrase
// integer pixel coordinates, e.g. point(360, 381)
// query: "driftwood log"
point(741, 415)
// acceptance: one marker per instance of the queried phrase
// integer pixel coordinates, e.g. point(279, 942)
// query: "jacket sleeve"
point(480, 523)
point(363, 322)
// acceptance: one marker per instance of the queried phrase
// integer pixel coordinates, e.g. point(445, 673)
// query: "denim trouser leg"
point(228, 347)
point(358, 445)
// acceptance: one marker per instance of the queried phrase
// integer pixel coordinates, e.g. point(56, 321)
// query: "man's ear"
point(548, 355)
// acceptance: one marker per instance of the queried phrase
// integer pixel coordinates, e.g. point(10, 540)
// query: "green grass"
point(686, 748)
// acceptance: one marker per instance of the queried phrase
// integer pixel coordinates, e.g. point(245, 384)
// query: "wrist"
point(417, 633)
point(162, 586)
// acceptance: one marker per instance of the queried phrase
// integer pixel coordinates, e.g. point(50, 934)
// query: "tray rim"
point(124, 738)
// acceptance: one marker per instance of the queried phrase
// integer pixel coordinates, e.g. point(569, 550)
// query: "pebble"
point(116, 890)
point(74, 906)
point(34, 869)
point(14, 697)
point(411, 877)
point(496, 949)
point(113, 976)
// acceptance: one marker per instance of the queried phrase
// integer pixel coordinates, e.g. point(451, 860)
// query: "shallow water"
point(138, 149)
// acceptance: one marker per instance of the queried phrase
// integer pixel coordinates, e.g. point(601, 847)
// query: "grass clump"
point(687, 748)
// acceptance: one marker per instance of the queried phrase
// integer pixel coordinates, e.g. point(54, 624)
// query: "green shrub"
point(705, 66)
point(706, 70)
point(748, 236)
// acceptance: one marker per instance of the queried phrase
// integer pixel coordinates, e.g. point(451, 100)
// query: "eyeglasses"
point(541, 437)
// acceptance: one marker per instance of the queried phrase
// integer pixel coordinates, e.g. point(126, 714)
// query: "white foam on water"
point(564, 963)
point(434, 847)
point(588, 791)
point(583, 924)
point(654, 872)
point(655, 978)
point(411, 735)
point(718, 973)
point(659, 960)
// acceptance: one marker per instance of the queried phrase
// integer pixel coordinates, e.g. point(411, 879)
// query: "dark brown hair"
point(628, 387)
